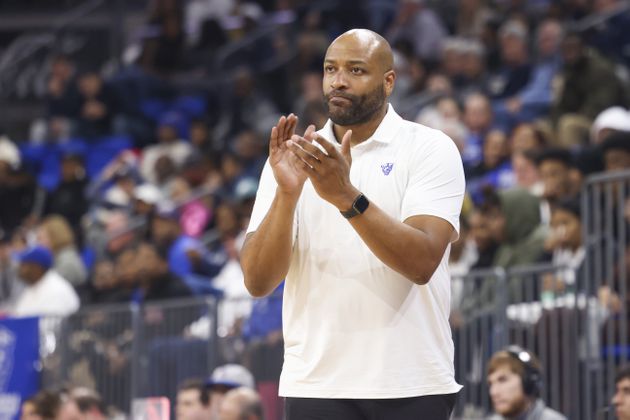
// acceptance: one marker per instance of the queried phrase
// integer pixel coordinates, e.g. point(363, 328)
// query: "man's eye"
point(357, 70)
point(328, 69)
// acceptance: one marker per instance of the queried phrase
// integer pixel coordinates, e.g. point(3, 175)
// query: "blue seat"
point(100, 153)
point(191, 106)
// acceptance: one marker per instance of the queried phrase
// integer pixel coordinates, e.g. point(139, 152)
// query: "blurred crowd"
point(137, 184)
point(228, 394)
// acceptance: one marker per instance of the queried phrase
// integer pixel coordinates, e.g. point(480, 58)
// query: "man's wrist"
point(347, 199)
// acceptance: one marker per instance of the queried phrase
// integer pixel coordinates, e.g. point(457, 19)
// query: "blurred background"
point(133, 134)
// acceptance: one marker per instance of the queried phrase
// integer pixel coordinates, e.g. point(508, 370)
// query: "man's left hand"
point(328, 170)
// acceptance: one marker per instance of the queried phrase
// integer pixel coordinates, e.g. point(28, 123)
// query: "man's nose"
point(339, 80)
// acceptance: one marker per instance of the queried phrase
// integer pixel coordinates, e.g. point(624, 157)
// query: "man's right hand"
point(288, 175)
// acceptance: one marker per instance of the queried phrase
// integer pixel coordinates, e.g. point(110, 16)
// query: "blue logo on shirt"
point(387, 168)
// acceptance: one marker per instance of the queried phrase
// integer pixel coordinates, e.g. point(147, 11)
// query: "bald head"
point(241, 403)
point(368, 44)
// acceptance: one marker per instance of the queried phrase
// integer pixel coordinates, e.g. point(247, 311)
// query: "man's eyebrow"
point(328, 60)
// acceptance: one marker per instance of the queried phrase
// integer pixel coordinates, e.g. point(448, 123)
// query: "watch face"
point(361, 204)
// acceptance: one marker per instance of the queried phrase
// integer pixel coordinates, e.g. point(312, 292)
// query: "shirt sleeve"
point(436, 183)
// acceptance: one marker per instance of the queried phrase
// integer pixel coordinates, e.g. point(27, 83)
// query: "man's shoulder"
point(550, 414)
point(426, 140)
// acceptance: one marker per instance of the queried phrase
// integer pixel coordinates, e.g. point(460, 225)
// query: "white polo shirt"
point(353, 327)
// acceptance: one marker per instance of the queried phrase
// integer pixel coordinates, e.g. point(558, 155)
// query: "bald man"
point(359, 217)
point(241, 404)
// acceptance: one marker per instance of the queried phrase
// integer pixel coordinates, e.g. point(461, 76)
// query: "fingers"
point(308, 147)
point(308, 134)
point(282, 131)
point(292, 121)
point(273, 140)
point(345, 146)
point(296, 145)
point(328, 146)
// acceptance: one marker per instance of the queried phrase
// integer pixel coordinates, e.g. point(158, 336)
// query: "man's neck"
point(525, 412)
point(361, 132)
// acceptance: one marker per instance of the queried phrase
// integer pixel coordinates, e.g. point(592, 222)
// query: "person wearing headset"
point(514, 382)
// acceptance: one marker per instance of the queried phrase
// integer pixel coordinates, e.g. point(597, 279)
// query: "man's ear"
point(389, 82)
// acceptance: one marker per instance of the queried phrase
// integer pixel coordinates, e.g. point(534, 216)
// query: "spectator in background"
point(186, 255)
point(81, 404)
point(69, 199)
point(249, 107)
point(485, 243)
point(18, 189)
point(616, 150)
point(224, 379)
point(608, 121)
point(514, 382)
point(621, 399)
point(43, 406)
point(55, 234)
point(495, 169)
point(478, 118)
point(515, 70)
point(28, 411)
point(610, 36)
point(155, 280)
point(565, 244)
point(514, 221)
point(471, 18)
point(97, 105)
point(201, 138)
point(526, 173)
point(527, 138)
point(46, 292)
point(251, 148)
point(589, 86)
point(146, 198)
point(534, 99)
point(169, 146)
point(241, 404)
point(420, 25)
point(473, 67)
point(556, 167)
point(193, 401)
point(62, 96)
point(105, 286)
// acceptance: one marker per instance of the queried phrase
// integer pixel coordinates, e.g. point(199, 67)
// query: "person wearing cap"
point(241, 404)
point(223, 379)
point(608, 121)
point(46, 292)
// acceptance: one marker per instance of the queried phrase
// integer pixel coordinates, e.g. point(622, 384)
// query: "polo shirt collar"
point(384, 133)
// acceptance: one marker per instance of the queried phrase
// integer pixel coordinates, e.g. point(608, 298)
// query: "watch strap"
point(359, 206)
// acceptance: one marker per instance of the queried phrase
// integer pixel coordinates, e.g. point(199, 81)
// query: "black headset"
point(532, 378)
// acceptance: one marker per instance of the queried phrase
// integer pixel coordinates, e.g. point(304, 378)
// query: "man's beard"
point(362, 108)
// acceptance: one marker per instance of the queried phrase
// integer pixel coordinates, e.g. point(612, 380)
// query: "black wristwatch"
point(359, 206)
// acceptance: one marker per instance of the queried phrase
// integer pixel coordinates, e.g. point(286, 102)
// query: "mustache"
point(340, 94)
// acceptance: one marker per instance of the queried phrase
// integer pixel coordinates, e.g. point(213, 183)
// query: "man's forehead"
point(349, 53)
point(355, 45)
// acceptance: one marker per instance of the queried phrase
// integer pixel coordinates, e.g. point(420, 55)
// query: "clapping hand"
point(285, 165)
point(328, 169)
